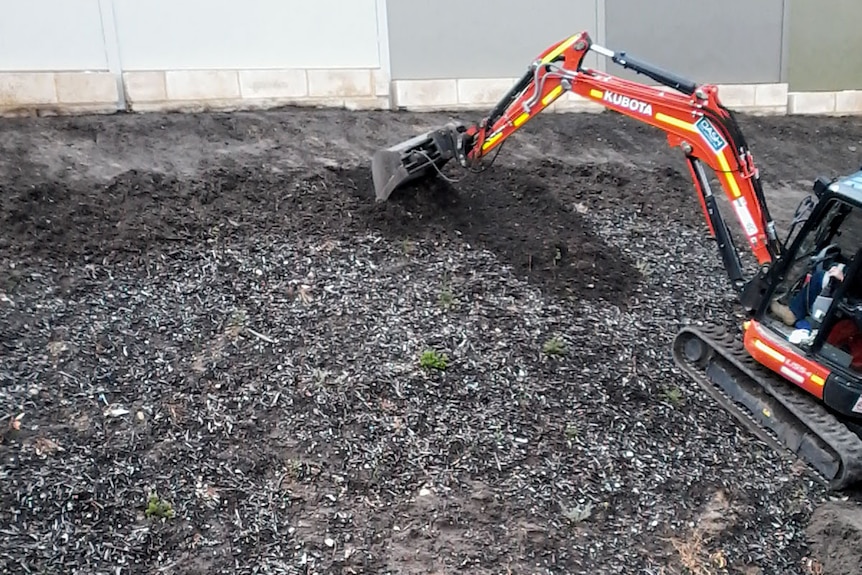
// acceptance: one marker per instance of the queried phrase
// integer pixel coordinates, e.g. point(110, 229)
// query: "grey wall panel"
point(479, 38)
point(726, 41)
point(824, 45)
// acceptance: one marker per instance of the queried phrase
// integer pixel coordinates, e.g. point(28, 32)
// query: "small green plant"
point(236, 322)
point(554, 346)
point(446, 298)
point(294, 468)
point(673, 395)
point(431, 359)
point(571, 432)
point(643, 267)
point(158, 507)
point(558, 256)
point(578, 513)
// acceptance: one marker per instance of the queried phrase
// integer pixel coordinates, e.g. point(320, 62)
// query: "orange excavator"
point(794, 376)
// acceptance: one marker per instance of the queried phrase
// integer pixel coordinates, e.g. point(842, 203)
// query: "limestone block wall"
point(198, 90)
point(470, 93)
point(25, 93)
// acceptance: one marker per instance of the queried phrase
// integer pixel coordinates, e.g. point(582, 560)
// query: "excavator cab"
point(815, 294)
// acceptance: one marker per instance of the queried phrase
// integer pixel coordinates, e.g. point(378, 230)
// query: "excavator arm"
point(691, 115)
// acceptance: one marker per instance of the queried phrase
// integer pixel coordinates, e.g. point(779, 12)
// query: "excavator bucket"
point(419, 157)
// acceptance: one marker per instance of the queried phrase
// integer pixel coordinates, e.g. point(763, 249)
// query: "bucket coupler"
point(416, 158)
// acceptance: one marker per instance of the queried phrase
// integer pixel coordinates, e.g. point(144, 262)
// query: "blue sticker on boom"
point(710, 134)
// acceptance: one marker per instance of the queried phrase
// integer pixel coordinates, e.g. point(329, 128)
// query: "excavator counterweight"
point(790, 376)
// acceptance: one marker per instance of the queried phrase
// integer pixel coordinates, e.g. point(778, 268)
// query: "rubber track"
point(796, 421)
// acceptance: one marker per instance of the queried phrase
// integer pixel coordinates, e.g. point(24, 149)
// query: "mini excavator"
point(794, 376)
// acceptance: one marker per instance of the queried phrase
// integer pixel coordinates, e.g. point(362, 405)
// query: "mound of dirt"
point(835, 537)
point(532, 219)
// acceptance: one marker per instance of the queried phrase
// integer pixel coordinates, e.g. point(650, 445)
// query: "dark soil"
point(835, 534)
point(213, 309)
point(137, 211)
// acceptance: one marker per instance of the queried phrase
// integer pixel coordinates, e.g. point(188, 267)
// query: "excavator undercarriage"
point(763, 403)
point(795, 386)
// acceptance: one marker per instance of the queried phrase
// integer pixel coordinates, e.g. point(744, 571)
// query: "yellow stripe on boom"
point(564, 45)
point(552, 95)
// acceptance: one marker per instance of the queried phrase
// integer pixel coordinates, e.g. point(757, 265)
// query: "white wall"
point(51, 35)
point(246, 34)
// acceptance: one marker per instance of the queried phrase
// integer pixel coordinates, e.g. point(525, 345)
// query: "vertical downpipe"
point(111, 43)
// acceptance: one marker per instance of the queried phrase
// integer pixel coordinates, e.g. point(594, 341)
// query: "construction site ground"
point(218, 354)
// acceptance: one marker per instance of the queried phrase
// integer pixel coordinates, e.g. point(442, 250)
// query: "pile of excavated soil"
point(219, 354)
point(835, 536)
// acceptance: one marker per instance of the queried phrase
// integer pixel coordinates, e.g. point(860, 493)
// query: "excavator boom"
point(691, 115)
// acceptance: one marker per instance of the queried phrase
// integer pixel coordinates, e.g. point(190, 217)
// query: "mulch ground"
point(220, 355)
